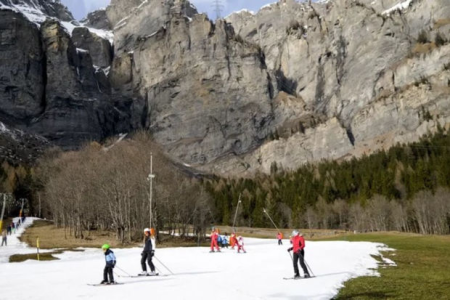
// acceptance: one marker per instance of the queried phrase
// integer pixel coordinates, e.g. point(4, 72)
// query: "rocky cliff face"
point(288, 85)
point(50, 84)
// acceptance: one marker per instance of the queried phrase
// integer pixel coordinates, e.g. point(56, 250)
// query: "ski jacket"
point(148, 246)
point(110, 258)
point(279, 236)
point(298, 243)
point(214, 235)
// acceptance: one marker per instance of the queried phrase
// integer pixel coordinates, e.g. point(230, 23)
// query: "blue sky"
point(80, 8)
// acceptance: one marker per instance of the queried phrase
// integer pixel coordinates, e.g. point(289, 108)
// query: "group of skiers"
point(223, 241)
point(297, 240)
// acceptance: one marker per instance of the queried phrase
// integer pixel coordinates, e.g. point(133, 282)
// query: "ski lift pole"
point(3, 212)
point(235, 215)
point(265, 211)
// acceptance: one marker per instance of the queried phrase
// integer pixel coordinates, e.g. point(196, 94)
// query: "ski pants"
point(300, 256)
point(147, 257)
point(214, 244)
point(4, 241)
point(280, 242)
point(108, 271)
point(240, 248)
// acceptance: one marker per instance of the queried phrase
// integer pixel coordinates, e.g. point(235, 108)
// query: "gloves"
point(290, 249)
point(142, 254)
point(152, 253)
point(114, 264)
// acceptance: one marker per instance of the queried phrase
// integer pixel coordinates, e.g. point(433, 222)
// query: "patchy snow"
point(400, 6)
point(258, 274)
point(242, 11)
point(14, 245)
point(36, 16)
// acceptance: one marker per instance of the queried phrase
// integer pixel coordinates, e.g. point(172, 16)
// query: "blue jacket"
point(110, 258)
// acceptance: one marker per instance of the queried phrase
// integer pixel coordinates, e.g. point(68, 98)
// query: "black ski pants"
point(280, 242)
point(147, 257)
point(300, 256)
point(108, 271)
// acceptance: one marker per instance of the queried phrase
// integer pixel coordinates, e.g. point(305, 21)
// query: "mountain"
point(290, 84)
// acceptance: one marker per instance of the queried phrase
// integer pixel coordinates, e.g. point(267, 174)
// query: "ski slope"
point(258, 274)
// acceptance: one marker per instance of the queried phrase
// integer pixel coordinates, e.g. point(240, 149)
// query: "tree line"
point(107, 188)
point(405, 188)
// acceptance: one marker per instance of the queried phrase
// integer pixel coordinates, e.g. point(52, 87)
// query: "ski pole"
point(123, 271)
point(163, 265)
point(309, 268)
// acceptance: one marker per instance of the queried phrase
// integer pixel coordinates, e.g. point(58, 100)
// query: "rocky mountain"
point(290, 84)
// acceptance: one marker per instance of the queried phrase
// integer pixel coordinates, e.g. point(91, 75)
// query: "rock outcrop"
point(290, 84)
point(97, 19)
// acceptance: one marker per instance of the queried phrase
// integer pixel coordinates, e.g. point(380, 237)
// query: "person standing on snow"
point(240, 244)
point(280, 238)
point(233, 240)
point(4, 237)
point(214, 238)
point(147, 254)
point(110, 264)
point(298, 245)
point(8, 229)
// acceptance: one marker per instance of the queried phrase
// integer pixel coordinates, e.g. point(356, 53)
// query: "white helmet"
point(294, 233)
point(147, 230)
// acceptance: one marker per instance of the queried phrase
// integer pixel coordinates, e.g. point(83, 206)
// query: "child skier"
point(225, 241)
point(147, 254)
point(233, 240)
point(214, 237)
point(110, 264)
point(280, 238)
point(298, 245)
point(240, 244)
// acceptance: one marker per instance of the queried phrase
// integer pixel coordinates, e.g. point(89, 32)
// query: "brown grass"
point(42, 256)
point(272, 233)
point(51, 237)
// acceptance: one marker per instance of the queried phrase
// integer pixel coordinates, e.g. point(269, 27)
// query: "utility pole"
point(3, 211)
point(150, 178)
point(218, 8)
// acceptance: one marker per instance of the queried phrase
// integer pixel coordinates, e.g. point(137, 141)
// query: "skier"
point(280, 238)
point(232, 241)
point(4, 237)
point(110, 264)
point(225, 241)
point(298, 245)
point(214, 237)
point(240, 244)
point(147, 254)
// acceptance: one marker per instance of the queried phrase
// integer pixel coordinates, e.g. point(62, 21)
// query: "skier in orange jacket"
point(280, 238)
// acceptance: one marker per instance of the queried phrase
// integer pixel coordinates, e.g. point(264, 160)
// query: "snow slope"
point(198, 274)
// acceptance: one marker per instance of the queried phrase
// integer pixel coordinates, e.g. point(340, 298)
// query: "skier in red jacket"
point(214, 237)
point(298, 245)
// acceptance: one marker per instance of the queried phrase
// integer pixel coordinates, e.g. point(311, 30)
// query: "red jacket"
point(214, 235)
point(298, 243)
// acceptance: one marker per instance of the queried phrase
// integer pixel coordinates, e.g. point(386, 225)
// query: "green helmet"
point(105, 247)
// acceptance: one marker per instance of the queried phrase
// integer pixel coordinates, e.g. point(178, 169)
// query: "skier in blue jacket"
point(110, 264)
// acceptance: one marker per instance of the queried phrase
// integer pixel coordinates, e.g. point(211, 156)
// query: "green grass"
point(422, 272)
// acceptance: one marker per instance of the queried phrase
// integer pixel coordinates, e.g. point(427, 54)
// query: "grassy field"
point(422, 270)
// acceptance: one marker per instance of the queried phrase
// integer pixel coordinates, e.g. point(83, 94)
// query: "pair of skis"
point(297, 278)
point(130, 276)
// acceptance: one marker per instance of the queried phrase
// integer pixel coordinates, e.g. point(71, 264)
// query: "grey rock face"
point(21, 69)
point(99, 49)
point(75, 108)
point(97, 19)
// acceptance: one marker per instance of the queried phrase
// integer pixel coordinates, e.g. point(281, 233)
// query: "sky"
point(80, 8)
